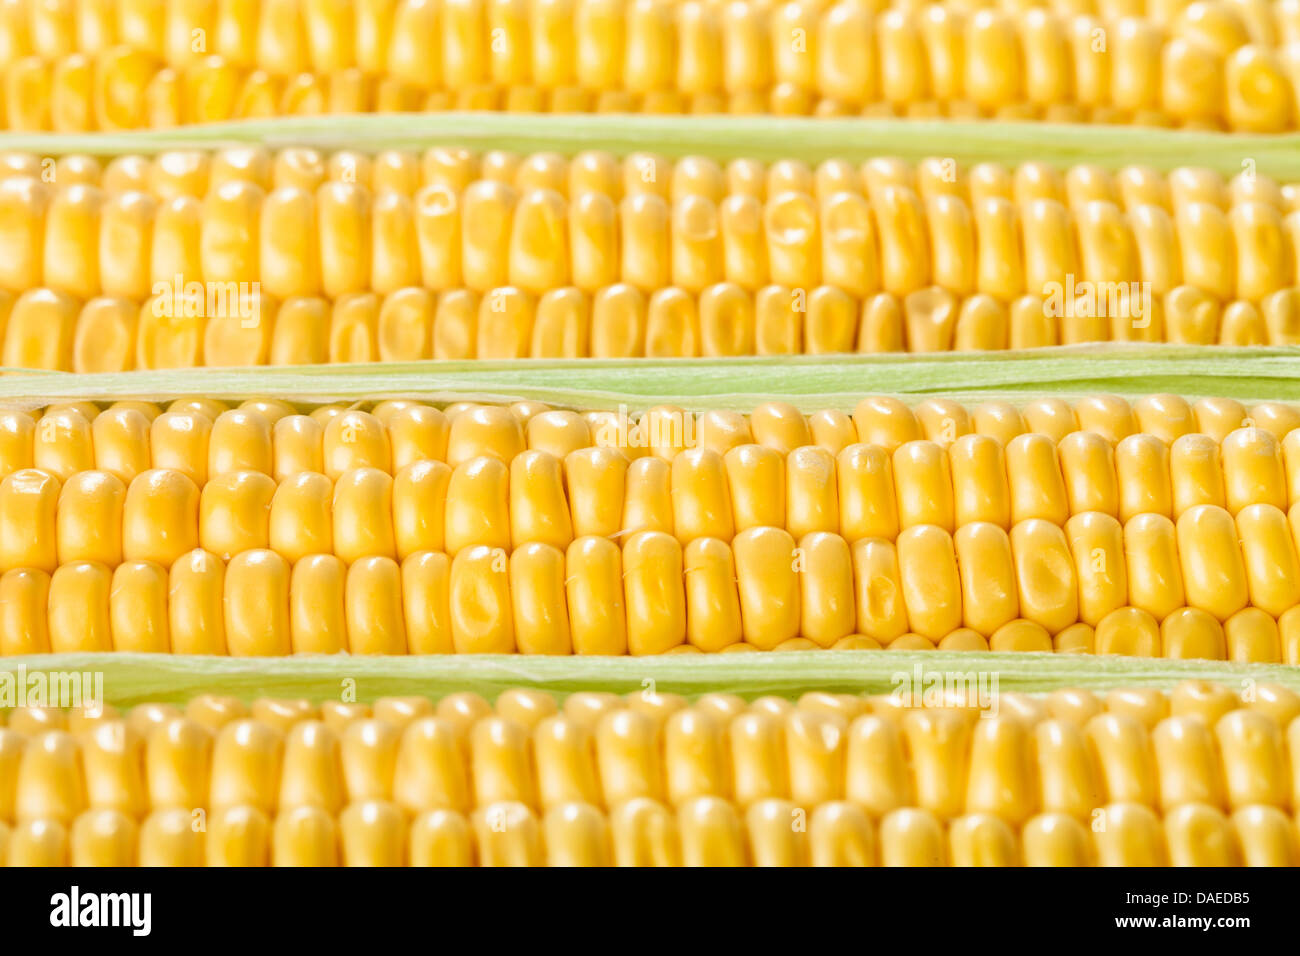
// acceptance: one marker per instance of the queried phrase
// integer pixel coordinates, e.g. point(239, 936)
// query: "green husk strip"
point(809, 382)
point(136, 678)
point(719, 137)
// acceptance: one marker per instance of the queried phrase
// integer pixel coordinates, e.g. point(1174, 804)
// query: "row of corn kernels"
point(1151, 589)
point(705, 831)
point(176, 173)
point(1067, 779)
point(122, 92)
point(292, 36)
point(341, 239)
point(229, 325)
point(869, 474)
point(1200, 70)
point(1100, 453)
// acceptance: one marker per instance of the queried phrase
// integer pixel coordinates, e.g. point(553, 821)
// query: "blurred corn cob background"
point(1137, 777)
point(75, 65)
point(565, 407)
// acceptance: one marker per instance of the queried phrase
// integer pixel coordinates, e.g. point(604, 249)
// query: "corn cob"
point(73, 66)
point(1198, 776)
point(285, 260)
point(1158, 528)
point(176, 173)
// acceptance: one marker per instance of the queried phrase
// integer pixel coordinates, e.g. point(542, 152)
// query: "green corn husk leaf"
point(130, 679)
point(806, 381)
point(719, 137)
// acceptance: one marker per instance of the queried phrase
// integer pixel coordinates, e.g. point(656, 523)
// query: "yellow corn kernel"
point(984, 563)
point(1202, 700)
point(1252, 635)
point(24, 600)
point(50, 782)
point(1096, 541)
point(121, 440)
point(1252, 469)
point(477, 511)
point(826, 584)
point(1054, 839)
point(1122, 751)
point(1186, 763)
point(711, 833)
point(17, 442)
point(247, 757)
point(484, 430)
point(372, 833)
point(1272, 566)
point(1251, 747)
point(594, 591)
point(644, 833)
point(923, 485)
point(29, 502)
point(653, 592)
point(1279, 418)
point(79, 608)
point(1045, 574)
point(832, 430)
point(138, 608)
point(362, 515)
point(769, 589)
point(1034, 473)
point(982, 839)
point(1195, 473)
point(538, 510)
point(811, 491)
point(538, 591)
point(713, 616)
point(169, 838)
point(576, 834)
point(1278, 702)
point(299, 522)
point(177, 760)
point(596, 479)
point(480, 609)
point(234, 512)
point(1130, 631)
point(1068, 781)
point(1214, 575)
point(695, 757)
point(1155, 582)
point(1000, 781)
point(1265, 836)
point(1147, 705)
point(1192, 633)
point(758, 752)
point(304, 836)
point(63, 443)
point(1142, 474)
point(979, 478)
point(103, 838)
point(647, 503)
point(628, 757)
point(429, 772)
point(257, 604)
point(238, 836)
